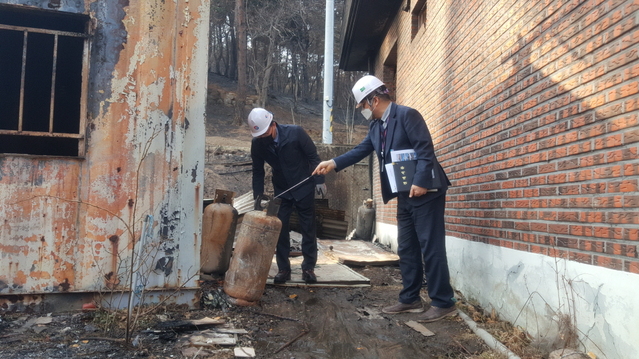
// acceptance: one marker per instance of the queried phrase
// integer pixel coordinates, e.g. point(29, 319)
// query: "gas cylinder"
point(365, 221)
point(257, 237)
point(218, 232)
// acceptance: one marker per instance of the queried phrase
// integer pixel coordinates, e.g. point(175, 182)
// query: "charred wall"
point(70, 222)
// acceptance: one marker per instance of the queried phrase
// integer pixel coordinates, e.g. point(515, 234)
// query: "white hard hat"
point(258, 120)
point(365, 86)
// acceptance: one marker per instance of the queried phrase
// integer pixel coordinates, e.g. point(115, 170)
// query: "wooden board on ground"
point(328, 271)
point(328, 274)
point(244, 352)
point(420, 328)
point(358, 253)
point(210, 339)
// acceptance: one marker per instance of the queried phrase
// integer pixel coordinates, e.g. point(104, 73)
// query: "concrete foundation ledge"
point(70, 301)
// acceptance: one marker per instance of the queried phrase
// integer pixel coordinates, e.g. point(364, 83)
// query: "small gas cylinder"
point(365, 221)
point(218, 232)
point(245, 280)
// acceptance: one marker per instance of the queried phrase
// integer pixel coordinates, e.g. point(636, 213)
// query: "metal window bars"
point(80, 136)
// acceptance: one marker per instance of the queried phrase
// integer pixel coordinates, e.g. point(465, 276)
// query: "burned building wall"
point(70, 223)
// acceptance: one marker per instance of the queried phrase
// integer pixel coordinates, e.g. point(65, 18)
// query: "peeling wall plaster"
point(68, 223)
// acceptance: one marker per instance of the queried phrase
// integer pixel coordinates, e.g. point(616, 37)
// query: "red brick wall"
point(533, 110)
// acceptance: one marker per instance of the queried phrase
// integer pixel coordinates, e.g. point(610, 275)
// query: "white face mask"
point(367, 113)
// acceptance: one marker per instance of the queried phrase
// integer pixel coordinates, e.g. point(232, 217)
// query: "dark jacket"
point(406, 129)
point(292, 161)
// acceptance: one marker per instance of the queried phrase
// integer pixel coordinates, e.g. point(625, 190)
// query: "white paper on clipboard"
point(403, 155)
point(390, 173)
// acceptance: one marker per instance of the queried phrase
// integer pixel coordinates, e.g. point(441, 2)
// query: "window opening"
point(43, 81)
point(390, 71)
point(418, 17)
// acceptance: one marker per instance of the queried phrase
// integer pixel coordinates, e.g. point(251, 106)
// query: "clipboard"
point(400, 175)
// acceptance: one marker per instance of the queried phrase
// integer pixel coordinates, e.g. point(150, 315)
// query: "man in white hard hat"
point(420, 208)
point(292, 155)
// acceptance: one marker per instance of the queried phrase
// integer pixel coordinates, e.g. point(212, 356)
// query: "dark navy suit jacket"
point(293, 160)
point(406, 129)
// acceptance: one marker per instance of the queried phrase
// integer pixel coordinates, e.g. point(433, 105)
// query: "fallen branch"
point(274, 316)
point(104, 338)
point(460, 344)
point(236, 164)
point(303, 333)
point(238, 171)
point(12, 340)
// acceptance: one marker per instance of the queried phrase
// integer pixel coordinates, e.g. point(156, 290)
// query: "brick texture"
point(532, 106)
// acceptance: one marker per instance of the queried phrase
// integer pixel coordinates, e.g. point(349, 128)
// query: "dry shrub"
point(514, 338)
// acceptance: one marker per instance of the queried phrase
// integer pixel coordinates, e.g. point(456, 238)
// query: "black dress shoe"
point(308, 276)
point(282, 276)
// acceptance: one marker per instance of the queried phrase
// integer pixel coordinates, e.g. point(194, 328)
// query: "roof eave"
point(364, 31)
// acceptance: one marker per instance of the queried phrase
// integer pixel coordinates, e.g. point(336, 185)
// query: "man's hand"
point(324, 167)
point(416, 191)
point(320, 190)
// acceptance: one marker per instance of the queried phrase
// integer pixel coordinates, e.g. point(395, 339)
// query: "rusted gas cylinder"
point(245, 280)
point(365, 221)
point(218, 232)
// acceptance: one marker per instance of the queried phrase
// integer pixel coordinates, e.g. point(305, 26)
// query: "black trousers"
point(422, 246)
point(306, 215)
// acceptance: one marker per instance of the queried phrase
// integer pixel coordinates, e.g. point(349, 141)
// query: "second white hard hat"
point(365, 86)
point(258, 120)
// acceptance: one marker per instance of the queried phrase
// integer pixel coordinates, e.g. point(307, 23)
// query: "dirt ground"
point(290, 322)
point(335, 323)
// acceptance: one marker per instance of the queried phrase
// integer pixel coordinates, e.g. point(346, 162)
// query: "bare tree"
point(285, 49)
point(221, 38)
point(265, 32)
point(240, 26)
